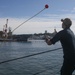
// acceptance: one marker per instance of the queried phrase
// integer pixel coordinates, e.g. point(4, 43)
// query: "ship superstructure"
point(6, 34)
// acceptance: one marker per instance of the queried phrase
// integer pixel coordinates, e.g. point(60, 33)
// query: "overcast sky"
point(18, 11)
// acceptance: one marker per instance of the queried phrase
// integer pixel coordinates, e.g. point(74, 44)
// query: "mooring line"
point(30, 55)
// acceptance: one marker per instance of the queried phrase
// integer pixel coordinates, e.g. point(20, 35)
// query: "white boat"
point(35, 40)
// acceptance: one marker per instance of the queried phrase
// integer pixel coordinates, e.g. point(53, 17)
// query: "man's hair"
point(67, 22)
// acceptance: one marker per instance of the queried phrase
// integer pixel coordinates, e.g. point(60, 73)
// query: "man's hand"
point(48, 41)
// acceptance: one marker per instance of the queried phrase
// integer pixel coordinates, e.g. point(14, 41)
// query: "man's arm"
point(56, 38)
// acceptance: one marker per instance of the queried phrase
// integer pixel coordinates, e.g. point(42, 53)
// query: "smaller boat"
point(7, 40)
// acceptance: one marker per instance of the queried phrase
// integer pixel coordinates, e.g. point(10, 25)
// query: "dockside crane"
point(5, 29)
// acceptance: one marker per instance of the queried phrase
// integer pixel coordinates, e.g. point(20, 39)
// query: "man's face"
point(63, 26)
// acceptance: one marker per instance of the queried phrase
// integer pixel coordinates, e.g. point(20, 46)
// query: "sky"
point(19, 11)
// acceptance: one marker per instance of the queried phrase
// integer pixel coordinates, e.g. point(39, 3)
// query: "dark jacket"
point(67, 39)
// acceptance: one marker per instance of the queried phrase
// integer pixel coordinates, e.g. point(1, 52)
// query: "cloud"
point(65, 10)
point(37, 25)
point(73, 10)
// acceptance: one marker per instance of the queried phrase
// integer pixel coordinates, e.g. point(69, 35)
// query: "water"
point(43, 64)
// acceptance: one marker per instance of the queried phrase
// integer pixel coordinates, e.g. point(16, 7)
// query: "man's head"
point(66, 23)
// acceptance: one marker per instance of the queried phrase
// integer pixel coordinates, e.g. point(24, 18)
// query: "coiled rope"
point(29, 55)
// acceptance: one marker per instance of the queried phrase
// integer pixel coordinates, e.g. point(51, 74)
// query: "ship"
point(36, 38)
point(41, 37)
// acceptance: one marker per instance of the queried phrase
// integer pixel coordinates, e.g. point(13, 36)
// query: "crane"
point(5, 27)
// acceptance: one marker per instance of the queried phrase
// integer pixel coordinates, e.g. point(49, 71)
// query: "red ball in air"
point(46, 6)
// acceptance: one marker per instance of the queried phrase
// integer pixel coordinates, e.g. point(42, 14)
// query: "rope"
point(28, 19)
point(29, 55)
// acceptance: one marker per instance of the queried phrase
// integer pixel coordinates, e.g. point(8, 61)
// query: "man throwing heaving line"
point(67, 39)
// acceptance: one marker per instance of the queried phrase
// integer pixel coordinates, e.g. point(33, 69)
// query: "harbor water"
point(42, 64)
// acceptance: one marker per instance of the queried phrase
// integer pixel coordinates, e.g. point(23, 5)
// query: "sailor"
point(67, 39)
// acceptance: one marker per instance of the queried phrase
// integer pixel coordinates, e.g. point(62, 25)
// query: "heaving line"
point(46, 6)
point(29, 55)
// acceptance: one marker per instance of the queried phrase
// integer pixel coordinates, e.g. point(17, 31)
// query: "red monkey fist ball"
point(46, 6)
